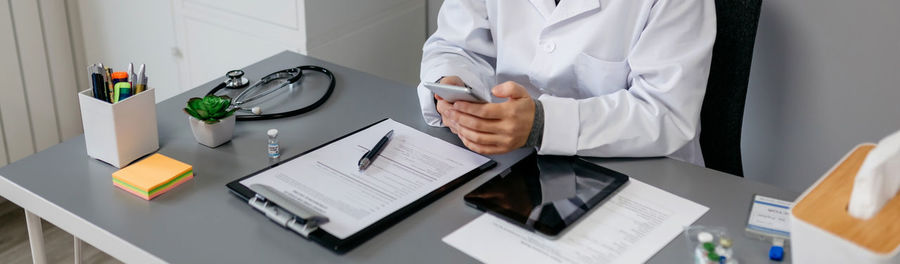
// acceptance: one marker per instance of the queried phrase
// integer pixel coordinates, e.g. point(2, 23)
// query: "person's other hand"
point(443, 107)
point(496, 127)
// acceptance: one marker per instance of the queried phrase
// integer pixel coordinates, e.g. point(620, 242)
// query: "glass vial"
point(274, 151)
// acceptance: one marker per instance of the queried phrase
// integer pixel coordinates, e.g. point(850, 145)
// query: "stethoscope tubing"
point(297, 77)
point(292, 75)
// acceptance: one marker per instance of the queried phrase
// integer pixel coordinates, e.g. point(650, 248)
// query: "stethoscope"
point(291, 76)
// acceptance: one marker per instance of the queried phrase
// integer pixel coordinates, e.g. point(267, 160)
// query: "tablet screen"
point(546, 193)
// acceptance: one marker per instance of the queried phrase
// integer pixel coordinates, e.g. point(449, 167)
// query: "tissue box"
point(122, 132)
point(823, 232)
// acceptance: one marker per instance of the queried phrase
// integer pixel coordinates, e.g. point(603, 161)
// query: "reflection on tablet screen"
point(546, 193)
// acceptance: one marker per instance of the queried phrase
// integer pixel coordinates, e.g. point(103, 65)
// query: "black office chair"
point(726, 92)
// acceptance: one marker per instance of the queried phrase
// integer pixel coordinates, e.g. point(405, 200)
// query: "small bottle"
point(274, 151)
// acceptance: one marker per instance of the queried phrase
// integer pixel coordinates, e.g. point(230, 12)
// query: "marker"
point(367, 158)
point(117, 79)
point(96, 82)
point(123, 91)
point(97, 86)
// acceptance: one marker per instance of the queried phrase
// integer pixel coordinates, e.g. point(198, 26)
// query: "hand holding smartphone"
point(452, 93)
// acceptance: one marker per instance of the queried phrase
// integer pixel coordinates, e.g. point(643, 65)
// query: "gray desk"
point(200, 222)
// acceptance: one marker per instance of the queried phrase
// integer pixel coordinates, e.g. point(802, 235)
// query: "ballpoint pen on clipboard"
point(367, 158)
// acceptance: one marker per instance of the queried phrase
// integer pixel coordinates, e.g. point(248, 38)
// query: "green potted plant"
point(211, 119)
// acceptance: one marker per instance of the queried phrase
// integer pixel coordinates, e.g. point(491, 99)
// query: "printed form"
point(628, 228)
point(328, 179)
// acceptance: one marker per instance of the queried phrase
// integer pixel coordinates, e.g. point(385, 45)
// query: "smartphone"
point(452, 93)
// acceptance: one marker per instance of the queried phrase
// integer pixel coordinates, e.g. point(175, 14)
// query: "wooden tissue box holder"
point(822, 231)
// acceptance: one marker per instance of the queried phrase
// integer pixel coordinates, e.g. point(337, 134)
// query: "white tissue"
point(878, 179)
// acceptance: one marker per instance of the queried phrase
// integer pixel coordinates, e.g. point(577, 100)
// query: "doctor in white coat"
point(603, 78)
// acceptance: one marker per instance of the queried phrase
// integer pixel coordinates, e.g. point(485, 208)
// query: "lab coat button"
point(549, 47)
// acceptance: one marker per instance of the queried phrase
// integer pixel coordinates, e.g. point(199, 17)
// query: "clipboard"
point(305, 222)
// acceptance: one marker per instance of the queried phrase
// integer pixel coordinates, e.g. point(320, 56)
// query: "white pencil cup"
point(122, 132)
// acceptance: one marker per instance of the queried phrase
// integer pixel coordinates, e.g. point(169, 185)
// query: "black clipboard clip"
point(284, 211)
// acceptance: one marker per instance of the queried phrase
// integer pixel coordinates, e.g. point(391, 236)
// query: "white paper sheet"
point(328, 180)
point(629, 228)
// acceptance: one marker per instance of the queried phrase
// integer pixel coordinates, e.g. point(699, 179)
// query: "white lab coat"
point(617, 78)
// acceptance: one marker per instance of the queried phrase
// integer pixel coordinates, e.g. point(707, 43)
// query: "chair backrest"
point(726, 92)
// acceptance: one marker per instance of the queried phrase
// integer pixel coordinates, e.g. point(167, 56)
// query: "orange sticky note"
point(152, 176)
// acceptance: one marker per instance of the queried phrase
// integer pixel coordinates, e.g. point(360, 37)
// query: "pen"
point(130, 72)
point(140, 80)
point(104, 81)
point(107, 77)
point(131, 75)
point(97, 84)
point(370, 155)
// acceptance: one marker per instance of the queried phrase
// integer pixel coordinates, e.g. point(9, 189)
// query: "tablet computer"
point(546, 194)
point(452, 93)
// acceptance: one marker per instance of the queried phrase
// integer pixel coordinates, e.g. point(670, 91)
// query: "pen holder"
point(122, 132)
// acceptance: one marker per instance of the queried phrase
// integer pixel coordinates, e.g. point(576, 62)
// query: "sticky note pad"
point(152, 176)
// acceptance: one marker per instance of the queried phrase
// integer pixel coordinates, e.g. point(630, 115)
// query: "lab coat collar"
point(566, 9)
point(571, 8)
point(545, 7)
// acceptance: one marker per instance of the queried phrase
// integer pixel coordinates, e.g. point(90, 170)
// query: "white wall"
point(38, 106)
point(383, 37)
point(433, 7)
point(825, 77)
point(118, 32)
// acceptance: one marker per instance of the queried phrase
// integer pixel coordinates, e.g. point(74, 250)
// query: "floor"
point(14, 247)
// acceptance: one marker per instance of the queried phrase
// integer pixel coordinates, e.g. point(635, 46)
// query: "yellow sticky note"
point(152, 176)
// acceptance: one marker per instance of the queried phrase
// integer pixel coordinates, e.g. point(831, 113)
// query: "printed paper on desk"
point(328, 179)
point(629, 228)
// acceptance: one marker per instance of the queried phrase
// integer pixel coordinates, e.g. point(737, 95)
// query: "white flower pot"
point(212, 135)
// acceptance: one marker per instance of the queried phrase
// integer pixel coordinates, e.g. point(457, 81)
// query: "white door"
point(216, 36)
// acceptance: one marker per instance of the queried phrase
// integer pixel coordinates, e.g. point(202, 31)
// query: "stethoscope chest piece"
point(236, 80)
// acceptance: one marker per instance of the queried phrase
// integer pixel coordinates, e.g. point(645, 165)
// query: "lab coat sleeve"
point(461, 46)
point(660, 110)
